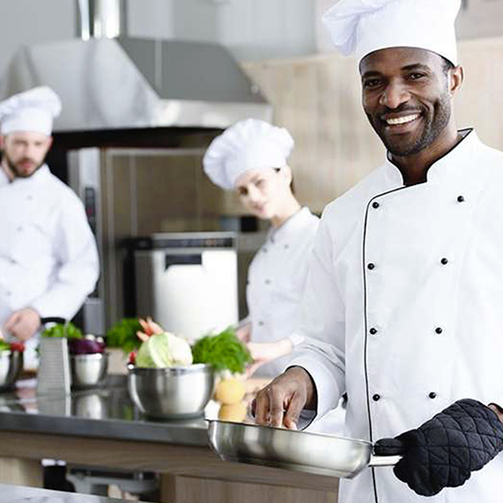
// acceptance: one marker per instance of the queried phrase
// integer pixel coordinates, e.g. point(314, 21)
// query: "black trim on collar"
point(464, 132)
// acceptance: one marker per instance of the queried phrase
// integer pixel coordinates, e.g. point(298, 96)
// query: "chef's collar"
point(294, 222)
point(450, 164)
point(4, 179)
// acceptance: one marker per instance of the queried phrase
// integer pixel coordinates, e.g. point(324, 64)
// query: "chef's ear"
point(456, 77)
point(2, 140)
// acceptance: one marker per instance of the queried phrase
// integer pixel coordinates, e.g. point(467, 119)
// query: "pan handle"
point(384, 460)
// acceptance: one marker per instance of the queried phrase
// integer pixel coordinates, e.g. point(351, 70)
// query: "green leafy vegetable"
point(223, 351)
point(4, 346)
point(68, 330)
point(123, 335)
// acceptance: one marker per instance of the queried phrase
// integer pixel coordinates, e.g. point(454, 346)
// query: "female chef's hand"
point(23, 324)
point(281, 401)
point(243, 333)
point(264, 352)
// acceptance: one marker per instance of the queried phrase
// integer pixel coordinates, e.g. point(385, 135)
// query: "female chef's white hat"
point(32, 110)
point(248, 144)
point(365, 26)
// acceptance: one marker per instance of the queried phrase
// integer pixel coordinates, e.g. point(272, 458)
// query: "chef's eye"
point(371, 83)
point(242, 191)
point(416, 76)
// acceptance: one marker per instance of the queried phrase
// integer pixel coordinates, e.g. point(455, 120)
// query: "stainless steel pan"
point(294, 450)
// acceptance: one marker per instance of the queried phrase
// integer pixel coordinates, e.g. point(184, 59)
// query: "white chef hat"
point(248, 144)
point(32, 110)
point(365, 26)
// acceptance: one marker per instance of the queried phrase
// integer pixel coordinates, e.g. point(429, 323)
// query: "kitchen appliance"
point(107, 80)
point(294, 450)
point(137, 116)
point(186, 281)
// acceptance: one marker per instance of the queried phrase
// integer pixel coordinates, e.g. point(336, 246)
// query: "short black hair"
point(447, 65)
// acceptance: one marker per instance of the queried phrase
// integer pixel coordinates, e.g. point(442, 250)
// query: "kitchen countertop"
point(16, 494)
point(102, 428)
point(106, 412)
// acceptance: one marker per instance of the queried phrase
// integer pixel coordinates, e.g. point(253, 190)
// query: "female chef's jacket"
point(48, 255)
point(404, 301)
point(276, 282)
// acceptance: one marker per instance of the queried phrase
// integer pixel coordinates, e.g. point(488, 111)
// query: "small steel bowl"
point(88, 371)
point(171, 393)
point(11, 364)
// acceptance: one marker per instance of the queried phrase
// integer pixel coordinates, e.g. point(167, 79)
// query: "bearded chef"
point(48, 256)
point(251, 158)
point(405, 288)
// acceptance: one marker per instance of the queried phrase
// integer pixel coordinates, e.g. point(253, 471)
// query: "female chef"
point(251, 158)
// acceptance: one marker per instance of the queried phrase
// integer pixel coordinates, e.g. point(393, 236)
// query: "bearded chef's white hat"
point(365, 26)
point(249, 144)
point(32, 110)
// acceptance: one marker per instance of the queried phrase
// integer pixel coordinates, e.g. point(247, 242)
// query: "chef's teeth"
point(402, 120)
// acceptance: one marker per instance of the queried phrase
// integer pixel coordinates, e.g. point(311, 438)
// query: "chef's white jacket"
point(48, 255)
point(276, 281)
point(404, 301)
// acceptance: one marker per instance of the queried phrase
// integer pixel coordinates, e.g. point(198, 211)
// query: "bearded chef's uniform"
point(48, 255)
point(277, 274)
point(405, 290)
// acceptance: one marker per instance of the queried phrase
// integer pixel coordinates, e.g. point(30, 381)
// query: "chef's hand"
point(23, 324)
point(264, 352)
point(243, 333)
point(444, 451)
point(281, 401)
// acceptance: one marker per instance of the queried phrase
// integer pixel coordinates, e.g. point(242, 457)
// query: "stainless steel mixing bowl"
point(171, 393)
point(88, 371)
point(11, 364)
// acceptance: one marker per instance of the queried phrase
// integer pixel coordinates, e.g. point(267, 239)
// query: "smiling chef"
point(405, 291)
point(48, 256)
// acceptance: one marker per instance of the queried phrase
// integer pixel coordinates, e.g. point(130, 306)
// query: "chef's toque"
point(249, 144)
point(32, 110)
point(361, 27)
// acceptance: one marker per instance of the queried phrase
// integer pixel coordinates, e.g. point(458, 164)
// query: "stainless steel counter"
point(99, 413)
point(102, 428)
point(16, 494)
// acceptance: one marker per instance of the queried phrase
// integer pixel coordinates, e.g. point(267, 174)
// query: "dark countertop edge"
point(104, 429)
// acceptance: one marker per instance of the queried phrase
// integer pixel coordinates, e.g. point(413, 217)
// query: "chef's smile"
point(401, 124)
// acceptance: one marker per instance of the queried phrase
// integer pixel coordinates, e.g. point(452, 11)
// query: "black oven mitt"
point(445, 450)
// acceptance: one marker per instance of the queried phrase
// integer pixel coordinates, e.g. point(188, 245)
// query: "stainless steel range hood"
point(110, 81)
